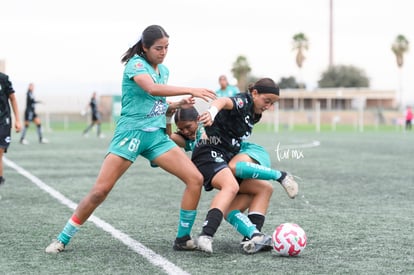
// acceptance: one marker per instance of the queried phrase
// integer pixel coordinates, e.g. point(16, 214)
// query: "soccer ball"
point(289, 239)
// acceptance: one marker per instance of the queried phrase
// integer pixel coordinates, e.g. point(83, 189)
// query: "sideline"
point(136, 246)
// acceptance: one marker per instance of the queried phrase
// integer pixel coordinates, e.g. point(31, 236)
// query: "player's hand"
point(205, 119)
point(17, 126)
point(186, 102)
point(204, 94)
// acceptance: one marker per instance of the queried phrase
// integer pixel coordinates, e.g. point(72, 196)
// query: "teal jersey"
point(228, 92)
point(140, 110)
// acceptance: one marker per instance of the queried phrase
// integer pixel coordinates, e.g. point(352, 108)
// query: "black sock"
point(282, 176)
point(257, 219)
point(212, 222)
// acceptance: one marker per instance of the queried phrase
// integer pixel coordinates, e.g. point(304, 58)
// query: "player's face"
point(157, 52)
point(262, 102)
point(187, 128)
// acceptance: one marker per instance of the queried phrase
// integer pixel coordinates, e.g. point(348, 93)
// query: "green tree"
point(343, 76)
point(241, 70)
point(300, 44)
point(288, 83)
point(399, 47)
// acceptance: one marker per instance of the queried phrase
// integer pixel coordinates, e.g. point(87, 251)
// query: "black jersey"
point(231, 127)
point(94, 106)
point(30, 102)
point(6, 89)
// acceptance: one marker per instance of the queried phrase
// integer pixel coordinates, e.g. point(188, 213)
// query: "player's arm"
point(145, 82)
point(179, 140)
point(223, 103)
point(13, 103)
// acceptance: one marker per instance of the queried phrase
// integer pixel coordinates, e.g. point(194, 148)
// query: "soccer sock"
point(98, 127)
point(257, 219)
point(70, 229)
point(248, 170)
point(24, 132)
point(186, 222)
point(87, 129)
point(212, 222)
point(241, 223)
point(39, 131)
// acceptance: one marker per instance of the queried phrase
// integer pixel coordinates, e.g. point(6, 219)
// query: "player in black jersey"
point(227, 123)
point(30, 115)
point(6, 96)
point(96, 117)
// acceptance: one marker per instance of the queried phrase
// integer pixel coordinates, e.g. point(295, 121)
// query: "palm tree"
point(300, 45)
point(399, 47)
point(241, 70)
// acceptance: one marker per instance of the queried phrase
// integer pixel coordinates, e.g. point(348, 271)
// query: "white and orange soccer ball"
point(289, 239)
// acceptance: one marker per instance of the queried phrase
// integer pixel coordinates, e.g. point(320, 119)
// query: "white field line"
point(136, 246)
point(314, 143)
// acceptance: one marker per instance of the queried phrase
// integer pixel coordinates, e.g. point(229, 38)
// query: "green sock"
point(186, 222)
point(248, 170)
point(241, 223)
point(68, 232)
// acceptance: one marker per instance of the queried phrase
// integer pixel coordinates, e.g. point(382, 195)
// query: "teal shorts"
point(256, 152)
point(132, 143)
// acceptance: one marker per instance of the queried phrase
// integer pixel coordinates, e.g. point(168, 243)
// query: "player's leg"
point(27, 116)
point(244, 166)
point(112, 169)
point(5, 132)
point(2, 180)
point(176, 162)
point(228, 187)
point(39, 129)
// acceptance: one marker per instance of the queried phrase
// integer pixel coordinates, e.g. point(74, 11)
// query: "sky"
point(74, 47)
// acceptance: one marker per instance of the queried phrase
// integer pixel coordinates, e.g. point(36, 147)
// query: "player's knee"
point(232, 189)
point(267, 187)
point(97, 196)
point(195, 180)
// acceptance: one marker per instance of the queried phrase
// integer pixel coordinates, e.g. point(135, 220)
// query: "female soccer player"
point(141, 131)
point(95, 116)
point(227, 123)
point(7, 98)
point(30, 115)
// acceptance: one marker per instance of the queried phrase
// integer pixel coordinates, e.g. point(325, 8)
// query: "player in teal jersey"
point(226, 90)
point(141, 131)
point(254, 193)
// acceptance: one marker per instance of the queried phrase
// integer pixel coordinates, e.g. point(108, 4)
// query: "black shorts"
point(95, 117)
point(5, 132)
point(210, 160)
point(29, 115)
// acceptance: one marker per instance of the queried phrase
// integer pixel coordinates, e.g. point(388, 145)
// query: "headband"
point(266, 90)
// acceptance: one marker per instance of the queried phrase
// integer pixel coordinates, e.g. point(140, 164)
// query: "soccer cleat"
point(259, 242)
point(2, 181)
point(184, 243)
point(205, 243)
point(290, 186)
point(24, 142)
point(44, 141)
point(55, 247)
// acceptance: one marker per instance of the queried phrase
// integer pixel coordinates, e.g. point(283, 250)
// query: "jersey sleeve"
point(135, 66)
point(240, 103)
point(8, 87)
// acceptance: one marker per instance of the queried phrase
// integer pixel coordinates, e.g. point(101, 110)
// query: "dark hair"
point(186, 114)
point(264, 86)
point(148, 38)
